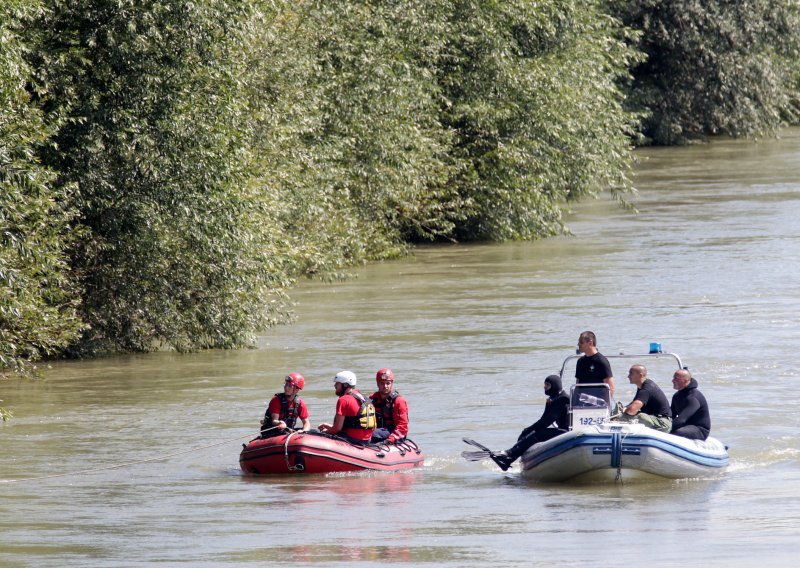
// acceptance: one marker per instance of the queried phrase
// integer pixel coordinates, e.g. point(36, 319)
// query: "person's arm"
point(338, 419)
point(610, 382)
point(681, 419)
point(633, 408)
point(549, 415)
point(400, 415)
point(276, 421)
point(638, 402)
point(302, 413)
point(272, 414)
point(335, 428)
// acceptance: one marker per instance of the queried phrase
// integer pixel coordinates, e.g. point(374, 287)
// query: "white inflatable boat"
point(623, 452)
point(599, 449)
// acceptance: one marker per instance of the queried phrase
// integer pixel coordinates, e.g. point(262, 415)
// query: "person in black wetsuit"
point(690, 416)
point(593, 367)
point(554, 421)
point(649, 405)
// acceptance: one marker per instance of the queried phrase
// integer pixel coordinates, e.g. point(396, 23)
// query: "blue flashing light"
point(655, 348)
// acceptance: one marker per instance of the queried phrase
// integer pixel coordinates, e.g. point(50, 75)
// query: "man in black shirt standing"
point(593, 367)
point(649, 406)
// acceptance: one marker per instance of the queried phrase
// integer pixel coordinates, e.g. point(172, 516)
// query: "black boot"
point(503, 460)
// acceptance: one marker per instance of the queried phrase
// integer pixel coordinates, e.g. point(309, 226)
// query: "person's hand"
point(324, 427)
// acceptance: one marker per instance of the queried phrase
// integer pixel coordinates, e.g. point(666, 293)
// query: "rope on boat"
point(105, 468)
point(297, 466)
point(618, 478)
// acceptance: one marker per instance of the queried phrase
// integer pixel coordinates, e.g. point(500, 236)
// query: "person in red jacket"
point(355, 415)
point(391, 410)
point(285, 408)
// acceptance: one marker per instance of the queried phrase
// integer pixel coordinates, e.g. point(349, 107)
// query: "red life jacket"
point(288, 413)
point(385, 410)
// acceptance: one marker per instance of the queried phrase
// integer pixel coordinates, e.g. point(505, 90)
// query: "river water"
point(708, 267)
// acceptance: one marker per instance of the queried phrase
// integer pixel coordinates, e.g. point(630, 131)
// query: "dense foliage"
point(714, 66)
point(347, 131)
point(148, 102)
point(37, 299)
point(534, 105)
point(465, 120)
point(169, 169)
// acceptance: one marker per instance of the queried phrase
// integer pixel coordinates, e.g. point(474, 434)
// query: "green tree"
point(174, 254)
point(212, 152)
point(379, 156)
point(713, 66)
point(38, 300)
point(345, 132)
point(468, 120)
point(531, 94)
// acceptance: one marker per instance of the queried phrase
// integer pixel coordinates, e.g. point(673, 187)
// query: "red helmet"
point(384, 375)
point(296, 380)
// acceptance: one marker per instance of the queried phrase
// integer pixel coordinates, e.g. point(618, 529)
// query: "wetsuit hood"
point(555, 386)
point(692, 385)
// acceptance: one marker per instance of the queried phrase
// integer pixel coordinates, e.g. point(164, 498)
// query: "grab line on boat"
point(296, 467)
point(105, 468)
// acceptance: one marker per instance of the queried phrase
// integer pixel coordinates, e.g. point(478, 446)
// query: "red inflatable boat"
point(302, 452)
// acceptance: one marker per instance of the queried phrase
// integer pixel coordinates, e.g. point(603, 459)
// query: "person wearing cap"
point(593, 367)
point(391, 410)
point(285, 408)
point(649, 406)
point(690, 415)
point(554, 421)
point(355, 415)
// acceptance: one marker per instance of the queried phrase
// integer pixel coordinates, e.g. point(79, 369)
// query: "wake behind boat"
point(306, 452)
point(598, 449)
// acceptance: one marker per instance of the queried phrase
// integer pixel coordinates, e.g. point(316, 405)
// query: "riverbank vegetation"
point(169, 169)
point(713, 67)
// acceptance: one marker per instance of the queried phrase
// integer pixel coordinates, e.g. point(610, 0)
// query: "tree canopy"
point(170, 169)
point(38, 300)
point(714, 66)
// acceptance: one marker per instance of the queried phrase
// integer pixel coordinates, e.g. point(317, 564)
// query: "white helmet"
point(346, 377)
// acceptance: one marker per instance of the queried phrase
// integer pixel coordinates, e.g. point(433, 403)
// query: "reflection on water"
point(368, 483)
point(325, 554)
point(708, 267)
